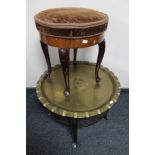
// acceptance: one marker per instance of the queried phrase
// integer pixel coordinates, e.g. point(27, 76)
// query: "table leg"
point(105, 116)
point(74, 128)
point(75, 55)
point(46, 54)
point(64, 59)
point(99, 59)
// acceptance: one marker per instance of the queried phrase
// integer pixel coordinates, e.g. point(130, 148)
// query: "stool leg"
point(99, 59)
point(74, 128)
point(46, 54)
point(64, 59)
point(75, 55)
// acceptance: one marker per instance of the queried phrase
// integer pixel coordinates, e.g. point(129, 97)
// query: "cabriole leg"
point(47, 57)
point(75, 55)
point(99, 59)
point(64, 59)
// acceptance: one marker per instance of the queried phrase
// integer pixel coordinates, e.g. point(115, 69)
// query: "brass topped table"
point(86, 97)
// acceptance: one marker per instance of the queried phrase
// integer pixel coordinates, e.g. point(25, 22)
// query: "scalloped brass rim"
point(86, 114)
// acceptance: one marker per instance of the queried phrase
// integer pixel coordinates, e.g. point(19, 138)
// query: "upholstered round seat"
point(71, 22)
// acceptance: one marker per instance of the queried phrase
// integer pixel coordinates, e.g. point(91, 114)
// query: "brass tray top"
point(87, 97)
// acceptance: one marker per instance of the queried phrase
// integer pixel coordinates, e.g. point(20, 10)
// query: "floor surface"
point(48, 137)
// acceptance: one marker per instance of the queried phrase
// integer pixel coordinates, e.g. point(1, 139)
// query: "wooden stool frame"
point(64, 45)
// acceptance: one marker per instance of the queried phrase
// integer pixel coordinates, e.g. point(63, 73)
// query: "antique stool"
point(75, 28)
point(88, 99)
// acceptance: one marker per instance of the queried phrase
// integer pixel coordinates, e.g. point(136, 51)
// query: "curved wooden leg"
point(99, 59)
point(64, 59)
point(46, 54)
point(75, 55)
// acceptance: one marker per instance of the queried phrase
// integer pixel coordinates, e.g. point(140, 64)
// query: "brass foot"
point(66, 93)
point(98, 79)
point(74, 145)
